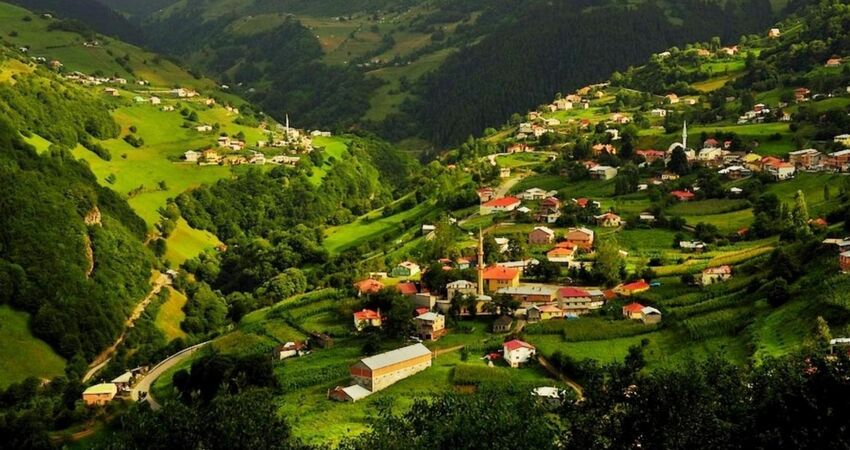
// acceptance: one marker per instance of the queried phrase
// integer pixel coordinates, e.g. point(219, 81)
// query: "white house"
point(155, 101)
point(203, 128)
point(603, 172)
point(191, 156)
point(517, 352)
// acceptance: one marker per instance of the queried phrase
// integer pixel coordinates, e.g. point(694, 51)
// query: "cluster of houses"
point(103, 393)
point(90, 80)
point(213, 157)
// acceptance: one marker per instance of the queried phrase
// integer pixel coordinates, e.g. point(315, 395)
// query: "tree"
point(627, 180)
point(284, 285)
point(609, 265)
point(777, 292)
point(679, 162)
point(800, 215)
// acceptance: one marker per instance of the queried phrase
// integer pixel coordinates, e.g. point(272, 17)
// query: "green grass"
point(68, 48)
point(545, 182)
point(366, 229)
point(23, 354)
point(186, 242)
point(334, 147)
point(726, 223)
point(707, 207)
point(171, 314)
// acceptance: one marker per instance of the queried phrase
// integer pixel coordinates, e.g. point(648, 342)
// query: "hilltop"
point(404, 68)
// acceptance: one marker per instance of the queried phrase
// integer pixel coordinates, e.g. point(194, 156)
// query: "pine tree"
point(800, 215)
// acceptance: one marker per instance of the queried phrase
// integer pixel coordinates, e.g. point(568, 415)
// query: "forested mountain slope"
point(433, 69)
point(94, 13)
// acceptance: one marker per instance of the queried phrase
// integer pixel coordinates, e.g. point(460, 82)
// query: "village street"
point(147, 380)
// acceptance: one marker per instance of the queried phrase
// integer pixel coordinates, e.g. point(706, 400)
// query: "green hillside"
point(23, 355)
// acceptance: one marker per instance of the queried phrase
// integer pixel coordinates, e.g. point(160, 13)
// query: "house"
point(563, 104)
point(651, 155)
point(407, 289)
point(460, 287)
point(430, 326)
point(801, 94)
point(710, 154)
point(504, 204)
point(534, 194)
point(608, 220)
point(497, 277)
point(841, 139)
point(486, 194)
point(532, 314)
point(112, 92)
point(548, 312)
point(191, 156)
point(729, 51)
point(155, 101)
point(833, 62)
point(713, 275)
point(541, 235)
point(100, 394)
point(517, 352)
point(406, 269)
point(692, 246)
point(682, 196)
point(634, 288)
point(348, 394)
point(633, 311)
point(782, 170)
point(844, 261)
point(289, 350)
point(669, 176)
point(211, 156)
point(658, 112)
point(367, 318)
point(550, 204)
point(502, 243)
point(774, 33)
point(560, 255)
point(735, 172)
point(599, 149)
point(581, 237)
point(530, 293)
point(646, 217)
point(377, 372)
point(368, 286)
point(503, 324)
point(603, 172)
point(672, 98)
point(576, 301)
point(839, 160)
point(203, 128)
point(650, 315)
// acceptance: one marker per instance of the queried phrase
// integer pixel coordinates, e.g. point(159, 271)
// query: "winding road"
point(103, 358)
point(144, 385)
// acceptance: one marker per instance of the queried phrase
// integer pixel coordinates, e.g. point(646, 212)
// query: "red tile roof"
point(502, 202)
point(559, 251)
point(633, 308)
point(368, 286)
point(572, 292)
point(407, 288)
point(422, 310)
point(636, 286)
point(366, 314)
point(500, 273)
point(515, 344)
point(682, 195)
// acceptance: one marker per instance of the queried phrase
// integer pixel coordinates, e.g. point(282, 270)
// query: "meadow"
point(24, 355)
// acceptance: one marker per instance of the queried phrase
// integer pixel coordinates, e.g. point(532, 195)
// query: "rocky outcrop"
point(93, 217)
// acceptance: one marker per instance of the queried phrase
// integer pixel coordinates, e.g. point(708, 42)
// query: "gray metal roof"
point(395, 356)
point(356, 392)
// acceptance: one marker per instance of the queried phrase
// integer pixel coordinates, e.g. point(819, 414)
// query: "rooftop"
point(395, 356)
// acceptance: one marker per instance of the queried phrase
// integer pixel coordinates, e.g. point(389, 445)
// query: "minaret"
point(480, 263)
point(287, 126)
point(685, 136)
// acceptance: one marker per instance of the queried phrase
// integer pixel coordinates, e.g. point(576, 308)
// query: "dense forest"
point(78, 304)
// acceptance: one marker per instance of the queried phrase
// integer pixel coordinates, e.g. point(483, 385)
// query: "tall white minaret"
point(287, 126)
point(685, 136)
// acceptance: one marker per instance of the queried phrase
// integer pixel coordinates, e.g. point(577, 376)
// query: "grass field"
point(186, 242)
point(171, 314)
point(22, 354)
point(366, 229)
point(68, 48)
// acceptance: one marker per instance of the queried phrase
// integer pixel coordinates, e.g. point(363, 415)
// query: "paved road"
point(144, 385)
point(103, 358)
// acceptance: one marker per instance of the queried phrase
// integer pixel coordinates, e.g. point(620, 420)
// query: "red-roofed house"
point(633, 311)
point(632, 288)
point(517, 352)
point(366, 318)
point(560, 255)
point(368, 286)
point(486, 194)
point(581, 237)
point(608, 220)
point(711, 143)
point(505, 204)
point(407, 288)
point(497, 277)
point(682, 196)
point(713, 275)
point(651, 155)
